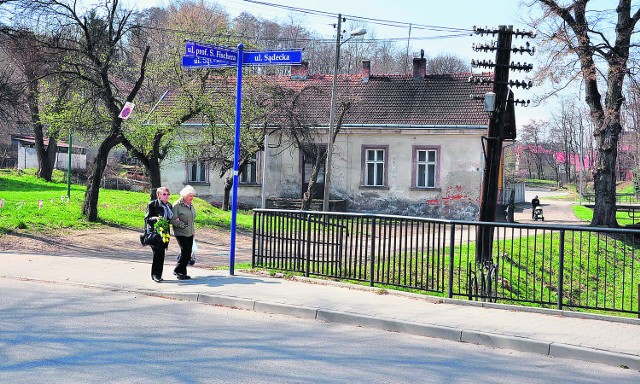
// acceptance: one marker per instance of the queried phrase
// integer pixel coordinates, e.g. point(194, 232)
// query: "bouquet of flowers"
point(163, 229)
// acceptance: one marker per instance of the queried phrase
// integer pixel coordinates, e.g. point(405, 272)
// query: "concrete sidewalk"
point(603, 339)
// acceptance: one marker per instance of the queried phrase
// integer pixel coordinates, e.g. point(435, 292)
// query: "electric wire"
point(445, 32)
point(388, 23)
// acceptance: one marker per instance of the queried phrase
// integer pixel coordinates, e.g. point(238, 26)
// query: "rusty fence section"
point(564, 267)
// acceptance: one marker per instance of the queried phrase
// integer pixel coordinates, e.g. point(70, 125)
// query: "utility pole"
point(496, 132)
point(493, 146)
point(332, 116)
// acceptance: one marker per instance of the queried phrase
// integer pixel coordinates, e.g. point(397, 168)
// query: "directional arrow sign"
point(203, 62)
point(211, 52)
point(272, 58)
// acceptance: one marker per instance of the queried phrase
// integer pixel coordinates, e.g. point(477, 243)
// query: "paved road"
point(555, 211)
point(56, 333)
point(600, 339)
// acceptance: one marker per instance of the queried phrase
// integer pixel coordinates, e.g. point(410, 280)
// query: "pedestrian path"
point(603, 339)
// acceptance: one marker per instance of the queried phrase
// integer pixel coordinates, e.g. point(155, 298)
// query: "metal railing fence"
point(624, 198)
point(547, 265)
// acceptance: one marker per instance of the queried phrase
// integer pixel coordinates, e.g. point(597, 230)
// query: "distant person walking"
point(185, 213)
point(535, 203)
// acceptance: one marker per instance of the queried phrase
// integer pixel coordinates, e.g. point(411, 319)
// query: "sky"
point(462, 14)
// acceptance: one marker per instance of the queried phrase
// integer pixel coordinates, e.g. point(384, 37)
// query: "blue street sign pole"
point(211, 56)
point(236, 163)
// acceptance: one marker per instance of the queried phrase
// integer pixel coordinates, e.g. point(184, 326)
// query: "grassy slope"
point(22, 193)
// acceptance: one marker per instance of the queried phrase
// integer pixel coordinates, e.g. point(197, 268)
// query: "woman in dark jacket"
point(159, 209)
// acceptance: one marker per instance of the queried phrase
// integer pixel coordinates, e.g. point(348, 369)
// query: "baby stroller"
point(538, 214)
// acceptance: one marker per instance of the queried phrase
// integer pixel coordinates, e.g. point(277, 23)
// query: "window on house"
point(197, 171)
point(425, 167)
point(249, 171)
point(374, 166)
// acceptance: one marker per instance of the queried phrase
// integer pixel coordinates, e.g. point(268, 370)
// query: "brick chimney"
point(419, 68)
point(300, 72)
point(366, 70)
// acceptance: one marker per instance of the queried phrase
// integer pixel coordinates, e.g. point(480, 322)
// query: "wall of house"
point(174, 176)
point(456, 196)
point(457, 192)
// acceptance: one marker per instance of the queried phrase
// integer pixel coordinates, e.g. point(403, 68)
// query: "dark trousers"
point(186, 245)
point(158, 260)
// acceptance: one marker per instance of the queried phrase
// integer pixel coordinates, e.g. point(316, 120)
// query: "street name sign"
point(272, 57)
point(212, 56)
point(193, 62)
point(211, 52)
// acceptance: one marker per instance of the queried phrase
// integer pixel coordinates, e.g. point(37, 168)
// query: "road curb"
point(595, 355)
point(517, 343)
point(492, 340)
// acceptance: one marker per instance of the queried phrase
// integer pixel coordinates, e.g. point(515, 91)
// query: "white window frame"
point(202, 172)
point(253, 166)
point(426, 172)
point(379, 166)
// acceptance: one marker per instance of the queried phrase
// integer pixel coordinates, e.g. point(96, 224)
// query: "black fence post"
point(253, 242)
point(372, 263)
point(561, 271)
point(452, 243)
point(308, 242)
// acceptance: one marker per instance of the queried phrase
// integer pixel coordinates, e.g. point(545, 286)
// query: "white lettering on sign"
point(276, 57)
point(223, 55)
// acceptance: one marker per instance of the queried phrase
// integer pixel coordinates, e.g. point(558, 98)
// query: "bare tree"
point(533, 137)
point(580, 44)
point(219, 136)
point(31, 66)
point(154, 134)
point(447, 63)
point(632, 123)
point(90, 47)
point(291, 117)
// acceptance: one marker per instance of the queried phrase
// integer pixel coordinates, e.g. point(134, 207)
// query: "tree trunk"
point(45, 156)
point(228, 184)
point(154, 177)
point(307, 197)
point(604, 177)
point(90, 204)
point(151, 163)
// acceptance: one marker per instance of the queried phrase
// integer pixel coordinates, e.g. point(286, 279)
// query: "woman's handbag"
point(150, 238)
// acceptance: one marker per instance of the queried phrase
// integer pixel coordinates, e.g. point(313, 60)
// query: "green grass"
point(584, 213)
point(626, 188)
point(540, 183)
point(22, 192)
point(599, 269)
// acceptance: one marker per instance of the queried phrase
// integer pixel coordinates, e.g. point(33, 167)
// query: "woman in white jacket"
point(184, 211)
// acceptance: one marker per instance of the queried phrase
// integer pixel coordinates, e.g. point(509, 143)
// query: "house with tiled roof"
point(408, 145)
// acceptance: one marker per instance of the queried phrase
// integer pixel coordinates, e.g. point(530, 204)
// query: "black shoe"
point(157, 279)
point(183, 277)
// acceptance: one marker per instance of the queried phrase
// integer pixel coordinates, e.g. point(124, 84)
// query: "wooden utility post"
point(493, 145)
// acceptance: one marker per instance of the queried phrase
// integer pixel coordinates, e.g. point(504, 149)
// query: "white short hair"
point(186, 191)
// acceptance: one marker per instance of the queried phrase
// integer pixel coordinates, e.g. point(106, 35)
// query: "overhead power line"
point(388, 23)
point(286, 39)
